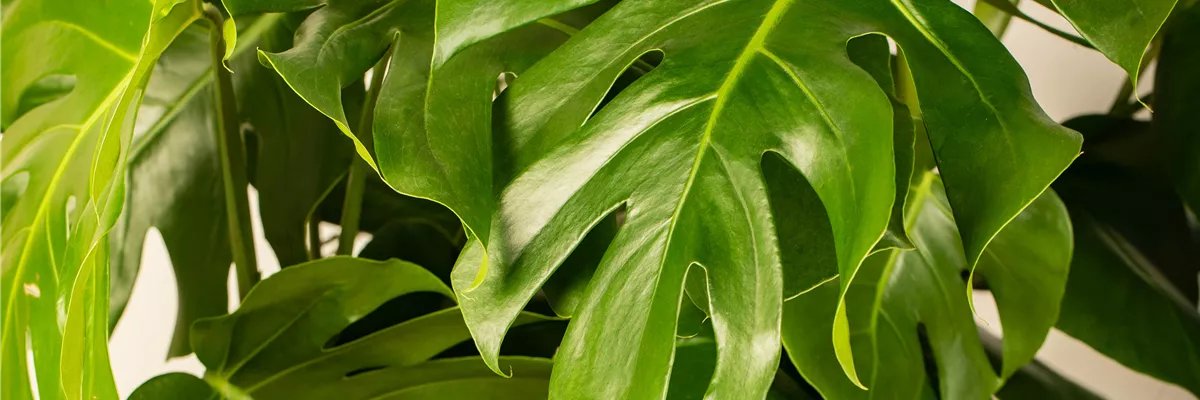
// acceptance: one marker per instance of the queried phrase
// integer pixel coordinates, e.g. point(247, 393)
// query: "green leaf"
point(682, 147)
point(67, 158)
point(871, 53)
point(900, 294)
point(1120, 29)
point(290, 338)
point(444, 159)
point(301, 155)
point(1132, 289)
point(174, 385)
point(1176, 88)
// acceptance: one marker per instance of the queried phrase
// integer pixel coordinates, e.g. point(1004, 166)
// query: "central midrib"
point(722, 96)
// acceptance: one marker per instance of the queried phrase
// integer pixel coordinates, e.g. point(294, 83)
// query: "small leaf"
point(282, 342)
point(174, 385)
point(1120, 30)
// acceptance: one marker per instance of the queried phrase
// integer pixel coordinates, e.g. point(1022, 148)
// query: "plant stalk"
point(995, 19)
point(232, 154)
point(356, 180)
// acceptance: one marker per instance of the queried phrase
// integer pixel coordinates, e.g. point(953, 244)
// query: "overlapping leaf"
point(175, 179)
point(175, 186)
point(290, 339)
point(904, 301)
point(63, 173)
point(300, 154)
point(682, 149)
point(1132, 291)
point(432, 140)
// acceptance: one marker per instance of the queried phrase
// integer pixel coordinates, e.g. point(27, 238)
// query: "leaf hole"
point(11, 191)
point(363, 370)
point(564, 290)
point(388, 314)
point(802, 226)
point(42, 91)
point(638, 68)
point(502, 82)
point(929, 360)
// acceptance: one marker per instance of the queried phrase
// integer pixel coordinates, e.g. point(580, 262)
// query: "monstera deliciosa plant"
point(729, 199)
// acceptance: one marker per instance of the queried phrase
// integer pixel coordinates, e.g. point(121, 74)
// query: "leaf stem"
point(233, 161)
point(1010, 7)
point(357, 178)
point(995, 19)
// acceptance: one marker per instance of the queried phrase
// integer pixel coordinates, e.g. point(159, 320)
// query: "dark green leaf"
point(175, 182)
point(174, 385)
point(900, 294)
point(67, 157)
point(300, 156)
point(383, 206)
point(175, 185)
point(1132, 288)
point(283, 342)
point(1034, 380)
point(1176, 93)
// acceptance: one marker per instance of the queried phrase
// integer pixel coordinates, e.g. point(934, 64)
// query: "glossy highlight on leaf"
point(685, 142)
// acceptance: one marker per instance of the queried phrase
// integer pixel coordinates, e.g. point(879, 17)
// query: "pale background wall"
point(1067, 80)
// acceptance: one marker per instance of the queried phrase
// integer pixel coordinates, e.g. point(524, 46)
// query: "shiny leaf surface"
point(682, 148)
point(67, 158)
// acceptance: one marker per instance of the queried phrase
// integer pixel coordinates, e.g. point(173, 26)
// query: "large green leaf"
point(292, 338)
point(900, 294)
point(1176, 93)
point(682, 148)
point(64, 176)
point(1132, 290)
point(1120, 29)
